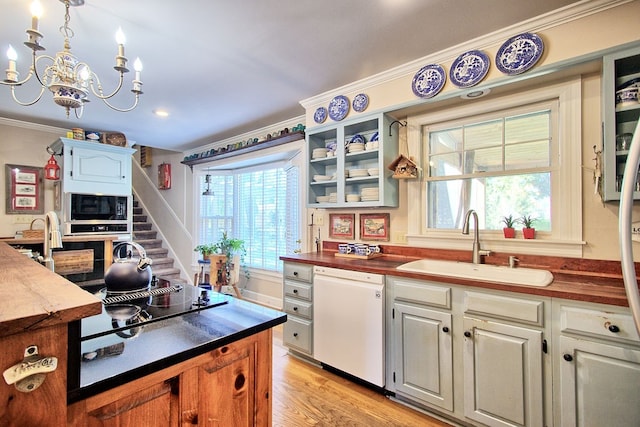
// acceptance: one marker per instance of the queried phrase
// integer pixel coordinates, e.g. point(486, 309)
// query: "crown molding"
point(539, 23)
point(32, 126)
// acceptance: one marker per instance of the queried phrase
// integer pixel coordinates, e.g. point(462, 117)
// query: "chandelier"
point(68, 79)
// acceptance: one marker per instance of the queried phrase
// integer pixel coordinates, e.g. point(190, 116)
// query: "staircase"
point(147, 238)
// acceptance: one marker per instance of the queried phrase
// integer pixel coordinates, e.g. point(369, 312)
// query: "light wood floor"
point(304, 395)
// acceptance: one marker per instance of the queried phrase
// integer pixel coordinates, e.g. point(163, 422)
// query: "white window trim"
point(567, 235)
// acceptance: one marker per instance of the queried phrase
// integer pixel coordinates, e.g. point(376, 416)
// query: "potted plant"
point(508, 230)
point(206, 249)
point(527, 230)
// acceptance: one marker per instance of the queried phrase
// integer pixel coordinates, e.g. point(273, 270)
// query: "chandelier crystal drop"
point(68, 79)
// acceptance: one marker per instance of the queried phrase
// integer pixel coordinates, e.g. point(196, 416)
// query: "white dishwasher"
point(348, 318)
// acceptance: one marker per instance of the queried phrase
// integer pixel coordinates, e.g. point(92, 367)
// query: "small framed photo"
point(342, 226)
point(374, 226)
point(24, 189)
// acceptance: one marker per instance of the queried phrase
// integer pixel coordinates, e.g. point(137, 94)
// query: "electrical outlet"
point(319, 218)
point(400, 237)
point(22, 219)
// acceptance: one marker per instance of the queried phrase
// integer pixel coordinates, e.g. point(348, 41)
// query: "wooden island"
point(218, 375)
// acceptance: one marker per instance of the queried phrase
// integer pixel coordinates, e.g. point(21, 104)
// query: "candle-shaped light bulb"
point(36, 13)
point(137, 83)
point(121, 40)
point(12, 54)
point(12, 74)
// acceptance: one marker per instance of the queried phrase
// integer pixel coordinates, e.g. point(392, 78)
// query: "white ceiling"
point(225, 67)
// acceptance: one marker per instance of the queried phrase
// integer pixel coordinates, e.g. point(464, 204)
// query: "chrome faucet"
point(52, 239)
point(477, 252)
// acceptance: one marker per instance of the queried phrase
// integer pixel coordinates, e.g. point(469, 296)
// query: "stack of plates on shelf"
point(353, 198)
point(321, 178)
point(354, 147)
point(319, 153)
point(373, 171)
point(358, 172)
point(333, 197)
point(369, 194)
point(322, 199)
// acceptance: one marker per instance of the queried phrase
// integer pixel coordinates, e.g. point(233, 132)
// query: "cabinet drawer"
point(516, 309)
point(297, 290)
point(598, 323)
point(298, 308)
point(297, 334)
point(300, 272)
point(422, 293)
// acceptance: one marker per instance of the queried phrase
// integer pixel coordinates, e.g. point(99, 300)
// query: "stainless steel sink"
point(480, 272)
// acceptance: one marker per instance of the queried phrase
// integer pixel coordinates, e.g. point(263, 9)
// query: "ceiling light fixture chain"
point(68, 79)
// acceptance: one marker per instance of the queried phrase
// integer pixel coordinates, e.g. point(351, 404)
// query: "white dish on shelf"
point(322, 199)
point(322, 178)
point(353, 198)
point(358, 172)
point(373, 171)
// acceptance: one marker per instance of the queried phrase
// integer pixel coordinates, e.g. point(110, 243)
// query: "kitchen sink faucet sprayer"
point(52, 239)
point(477, 252)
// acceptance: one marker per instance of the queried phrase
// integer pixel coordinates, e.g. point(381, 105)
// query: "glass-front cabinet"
point(347, 163)
point(621, 110)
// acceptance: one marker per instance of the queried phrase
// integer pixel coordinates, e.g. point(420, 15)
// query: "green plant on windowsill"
point(229, 247)
point(508, 230)
point(527, 226)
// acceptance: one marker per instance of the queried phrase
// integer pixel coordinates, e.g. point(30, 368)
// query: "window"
point(259, 206)
point(498, 164)
point(517, 153)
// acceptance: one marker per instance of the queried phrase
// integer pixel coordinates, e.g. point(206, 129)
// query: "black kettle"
point(129, 274)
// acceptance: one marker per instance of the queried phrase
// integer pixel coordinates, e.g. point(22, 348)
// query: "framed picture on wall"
point(374, 226)
point(342, 226)
point(24, 189)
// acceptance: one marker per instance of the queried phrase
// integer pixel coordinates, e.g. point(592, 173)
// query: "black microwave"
point(97, 213)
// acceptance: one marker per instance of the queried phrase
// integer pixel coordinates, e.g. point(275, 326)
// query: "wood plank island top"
point(33, 297)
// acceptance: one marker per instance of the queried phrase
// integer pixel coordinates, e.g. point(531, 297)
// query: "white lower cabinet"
point(598, 366)
point(298, 304)
point(503, 374)
point(474, 356)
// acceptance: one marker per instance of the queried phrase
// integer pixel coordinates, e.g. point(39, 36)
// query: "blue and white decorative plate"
point(519, 53)
point(428, 81)
point(320, 115)
point(360, 102)
point(469, 68)
point(339, 108)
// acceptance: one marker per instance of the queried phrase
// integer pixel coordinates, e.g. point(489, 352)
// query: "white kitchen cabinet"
point(421, 365)
point(598, 366)
point(90, 167)
point(336, 182)
point(476, 356)
point(617, 69)
point(298, 304)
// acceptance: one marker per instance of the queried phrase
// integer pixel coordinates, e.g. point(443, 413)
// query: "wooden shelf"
point(268, 143)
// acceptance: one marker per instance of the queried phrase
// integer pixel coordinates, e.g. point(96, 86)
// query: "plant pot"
point(529, 233)
point(217, 258)
point(509, 233)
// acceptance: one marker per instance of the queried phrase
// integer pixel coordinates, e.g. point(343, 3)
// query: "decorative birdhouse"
point(404, 167)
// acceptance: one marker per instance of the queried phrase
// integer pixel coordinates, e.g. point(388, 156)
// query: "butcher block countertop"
point(575, 279)
point(33, 297)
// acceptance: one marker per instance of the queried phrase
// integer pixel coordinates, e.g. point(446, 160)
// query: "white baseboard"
point(262, 299)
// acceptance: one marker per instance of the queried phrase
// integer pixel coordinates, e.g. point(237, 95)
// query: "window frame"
point(285, 156)
point(566, 237)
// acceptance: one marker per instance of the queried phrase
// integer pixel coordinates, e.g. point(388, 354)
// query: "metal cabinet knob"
point(614, 329)
point(467, 334)
point(567, 357)
point(295, 308)
point(295, 334)
point(295, 291)
point(445, 329)
point(295, 273)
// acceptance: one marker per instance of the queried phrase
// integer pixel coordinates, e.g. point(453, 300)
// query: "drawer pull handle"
point(295, 308)
point(295, 335)
point(614, 329)
point(295, 273)
point(467, 334)
point(567, 357)
point(295, 291)
point(445, 329)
